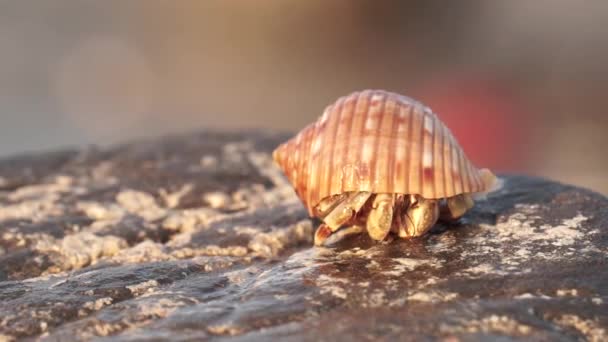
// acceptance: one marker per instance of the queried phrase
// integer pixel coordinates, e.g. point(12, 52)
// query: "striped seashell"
point(380, 142)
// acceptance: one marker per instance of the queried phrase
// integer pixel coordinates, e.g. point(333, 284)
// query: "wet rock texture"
point(201, 238)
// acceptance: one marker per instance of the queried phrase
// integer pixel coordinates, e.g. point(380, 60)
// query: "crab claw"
point(381, 216)
point(322, 233)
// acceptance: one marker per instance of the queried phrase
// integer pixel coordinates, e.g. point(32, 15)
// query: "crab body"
point(381, 162)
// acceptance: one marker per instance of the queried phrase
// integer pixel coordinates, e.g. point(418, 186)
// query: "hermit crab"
point(380, 162)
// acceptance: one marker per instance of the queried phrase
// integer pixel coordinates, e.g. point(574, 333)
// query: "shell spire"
point(381, 142)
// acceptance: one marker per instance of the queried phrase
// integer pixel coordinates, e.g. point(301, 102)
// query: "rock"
point(200, 237)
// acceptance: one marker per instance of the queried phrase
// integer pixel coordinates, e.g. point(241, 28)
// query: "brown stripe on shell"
point(293, 160)
point(469, 173)
point(331, 131)
point(472, 180)
point(409, 148)
point(447, 163)
point(289, 161)
point(415, 176)
point(438, 157)
point(308, 166)
point(380, 163)
point(303, 156)
point(369, 156)
point(466, 183)
point(316, 144)
point(420, 149)
point(344, 128)
point(428, 174)
point(456, 169)
point(463, 176)
point(295, 153)
point(466, 186)
point(351, 169)
point(391, 166)
point(401, 174)
point(475, 177)
point(303, 162)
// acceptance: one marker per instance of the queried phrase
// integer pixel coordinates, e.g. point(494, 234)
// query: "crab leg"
point(381, 216)
point(399, 207)
point(323, 209)
point(456, 207)
point(420, 216)
point(322, 233)
point(340, 214)
point(328, 204)
point(346, 231)
point(401, 220)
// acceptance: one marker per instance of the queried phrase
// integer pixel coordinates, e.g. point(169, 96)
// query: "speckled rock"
point(201, 238)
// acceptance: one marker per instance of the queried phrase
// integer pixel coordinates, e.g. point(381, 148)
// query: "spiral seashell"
point(379, 142)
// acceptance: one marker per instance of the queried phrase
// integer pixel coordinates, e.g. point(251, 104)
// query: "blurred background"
point(522, 84)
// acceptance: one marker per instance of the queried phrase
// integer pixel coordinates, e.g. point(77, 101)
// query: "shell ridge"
point(438, 158)
point(371, 135)
point(347, 148)
point(312, 178)
point(464, 174)
point(302, 161)
point(457, 171)
point(304, 165)
point(420, 151)
point(359, 146)
point(480, 186)
point(472, 179)
point(409, 149)
point(350, 173)
point(374, 162)
point(459, 167)
point(449, 175)
point(324, 135)
point(461, 171)
point(391, 165)
point(444, 162)
point(311, 138)
point(400, 175)
point(289, 160)
point(332, 132)
point(424, 186)
point(295, 151)
point(469, 173)
point(429, 171)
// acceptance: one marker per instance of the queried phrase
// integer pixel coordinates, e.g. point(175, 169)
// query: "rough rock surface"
point(200, 238)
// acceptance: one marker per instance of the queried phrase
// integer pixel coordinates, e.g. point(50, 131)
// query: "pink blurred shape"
point(486, 118)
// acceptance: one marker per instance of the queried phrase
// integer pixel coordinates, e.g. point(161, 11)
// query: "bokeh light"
point(105, 87)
